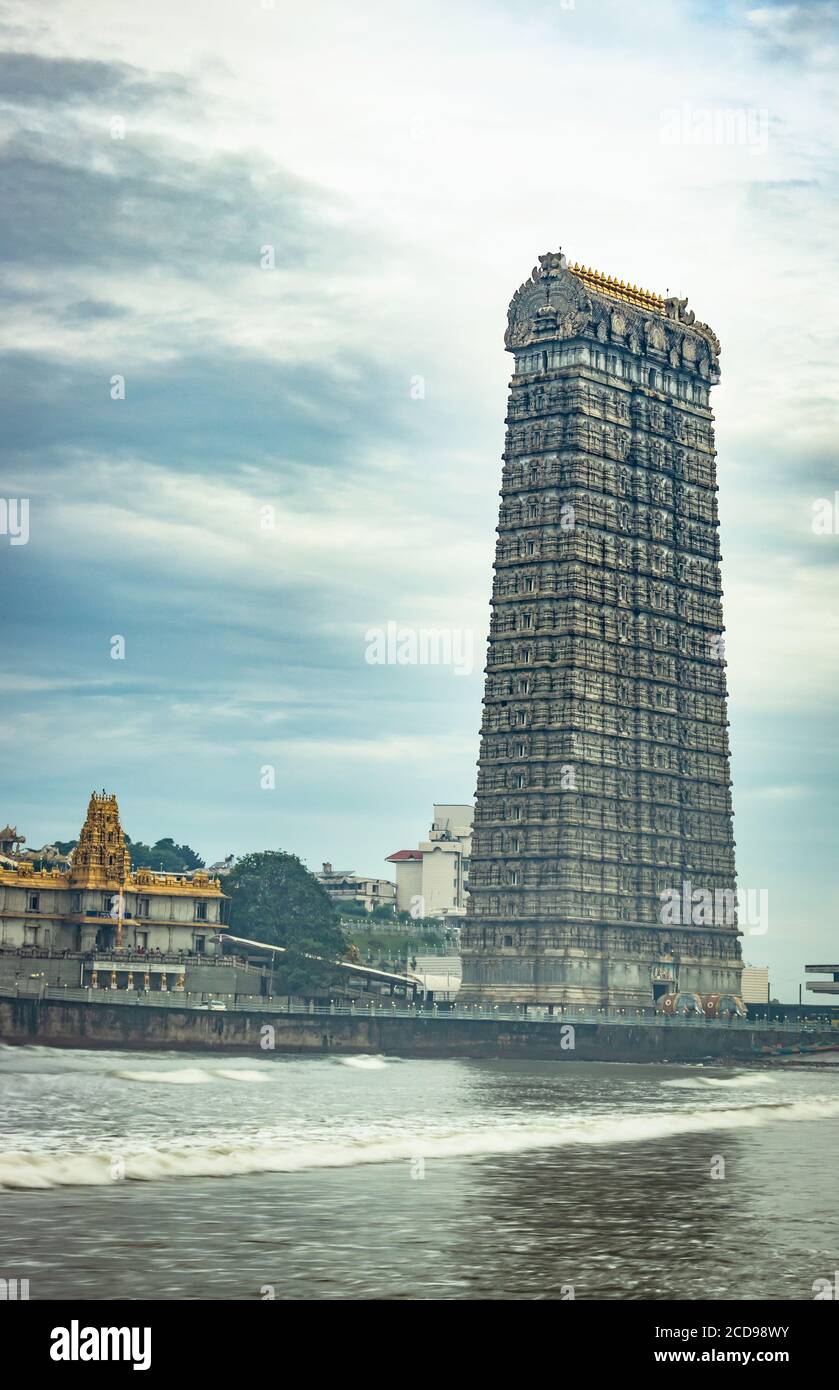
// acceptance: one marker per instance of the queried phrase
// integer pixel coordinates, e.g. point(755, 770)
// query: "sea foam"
point(240, 1154)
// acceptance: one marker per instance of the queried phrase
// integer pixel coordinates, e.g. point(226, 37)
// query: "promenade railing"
point(260, 1004)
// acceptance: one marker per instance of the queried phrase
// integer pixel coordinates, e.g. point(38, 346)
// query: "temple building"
point(101, 903)
point(602, 865)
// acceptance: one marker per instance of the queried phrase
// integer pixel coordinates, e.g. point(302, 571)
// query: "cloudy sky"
point(309, 451)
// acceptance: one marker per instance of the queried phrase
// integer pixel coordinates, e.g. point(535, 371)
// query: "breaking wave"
point(169, 1070)
point(363, 1062)
point(727, 1082)
point(193, 1076)
point(241, 1154)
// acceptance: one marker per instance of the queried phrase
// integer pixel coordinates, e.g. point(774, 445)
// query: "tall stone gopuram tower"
point(604, 766)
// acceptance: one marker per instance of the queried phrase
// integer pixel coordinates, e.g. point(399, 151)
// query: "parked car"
point(215, 1005)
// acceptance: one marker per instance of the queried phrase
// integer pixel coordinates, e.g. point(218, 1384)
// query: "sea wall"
point(77, 1024)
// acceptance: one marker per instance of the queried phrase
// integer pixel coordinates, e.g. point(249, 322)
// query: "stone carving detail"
point(654, 334)
point(677, 309)
point(553, 288)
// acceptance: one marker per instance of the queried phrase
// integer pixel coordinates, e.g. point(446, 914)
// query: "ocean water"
point(196, 1176)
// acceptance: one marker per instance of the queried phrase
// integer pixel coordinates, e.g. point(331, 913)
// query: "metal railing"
point(126, 956)
point(264, 1004)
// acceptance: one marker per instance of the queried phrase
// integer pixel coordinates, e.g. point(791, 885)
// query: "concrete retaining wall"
point(71, 1024)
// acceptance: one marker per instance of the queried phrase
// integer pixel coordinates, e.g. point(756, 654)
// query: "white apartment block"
point(433, 879)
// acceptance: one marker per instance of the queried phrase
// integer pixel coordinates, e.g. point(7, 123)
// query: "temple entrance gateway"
point(663, 980)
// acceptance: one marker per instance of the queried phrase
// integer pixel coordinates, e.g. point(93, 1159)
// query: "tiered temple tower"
point(604, 779)
point(101, 858)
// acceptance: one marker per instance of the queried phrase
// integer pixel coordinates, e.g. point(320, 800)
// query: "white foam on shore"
point(241, 1155)
point(192, 1076)
point(363, 1062)
point(161, 1066)
point(727, 1082)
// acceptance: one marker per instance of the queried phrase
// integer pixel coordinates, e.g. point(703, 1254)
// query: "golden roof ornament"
point(616, 289)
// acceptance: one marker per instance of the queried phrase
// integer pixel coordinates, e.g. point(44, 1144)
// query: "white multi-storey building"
point(433, 879)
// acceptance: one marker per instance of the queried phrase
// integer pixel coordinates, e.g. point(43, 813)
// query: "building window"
point(200, 912)
point(199, 945)
point(142, 907)
point(34, 904)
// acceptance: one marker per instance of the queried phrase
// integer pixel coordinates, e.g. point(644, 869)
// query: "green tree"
point(190, 859)
point(164, 854)
point(274, 898)
point(353, 909)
